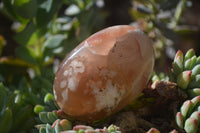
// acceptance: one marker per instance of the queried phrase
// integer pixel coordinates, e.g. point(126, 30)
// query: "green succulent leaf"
point(183, 79)
point(58, 128)
point(48, 97)
point(112, 128)
point(196, 101)
point(196, 70)
point(43, 117)
point(49, 129)
point(195, 83)
point(191, 125)
point(40, 126)
point(51, 117)
point(48, 117)
point(38, 109)
point(196, 115)
point(186, 108)
point(153, 130)
point(190, 63)
point(42, 130)
point(66, 124)
point(198, 60)
point(189, 54)
point(178, 63)
point(193, 62)
point(179, 120)
point(194, 92)
point(187, 64)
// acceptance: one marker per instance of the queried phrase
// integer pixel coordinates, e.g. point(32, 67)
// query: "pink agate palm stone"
point(104, 73)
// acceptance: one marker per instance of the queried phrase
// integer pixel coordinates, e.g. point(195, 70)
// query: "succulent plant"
point(154, 130)
point(52, 124)
point(88, 129)
point(64, 126)
point(49, 104)
point(156, 78)
point(189, 116)
point(57, 126)
point(56, 121)
point(186, 72)
point(48, 117)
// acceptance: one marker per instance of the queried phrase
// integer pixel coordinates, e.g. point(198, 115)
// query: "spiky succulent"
point(186, 72)
point(189, 116)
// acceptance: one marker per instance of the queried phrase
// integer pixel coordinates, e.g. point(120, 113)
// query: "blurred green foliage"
point(46, 30)
point(160, 20)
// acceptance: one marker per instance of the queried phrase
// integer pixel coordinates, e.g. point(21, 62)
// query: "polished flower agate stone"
point(104, 73)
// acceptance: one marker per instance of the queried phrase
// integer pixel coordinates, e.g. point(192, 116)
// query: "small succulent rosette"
point(88, 129)
point(154, 130)
point(186, 72)
point(189, 116)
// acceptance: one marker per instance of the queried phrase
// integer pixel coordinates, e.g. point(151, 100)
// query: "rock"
point(104, 73)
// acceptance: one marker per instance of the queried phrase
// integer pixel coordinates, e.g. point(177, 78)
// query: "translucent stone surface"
point(104, 73)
